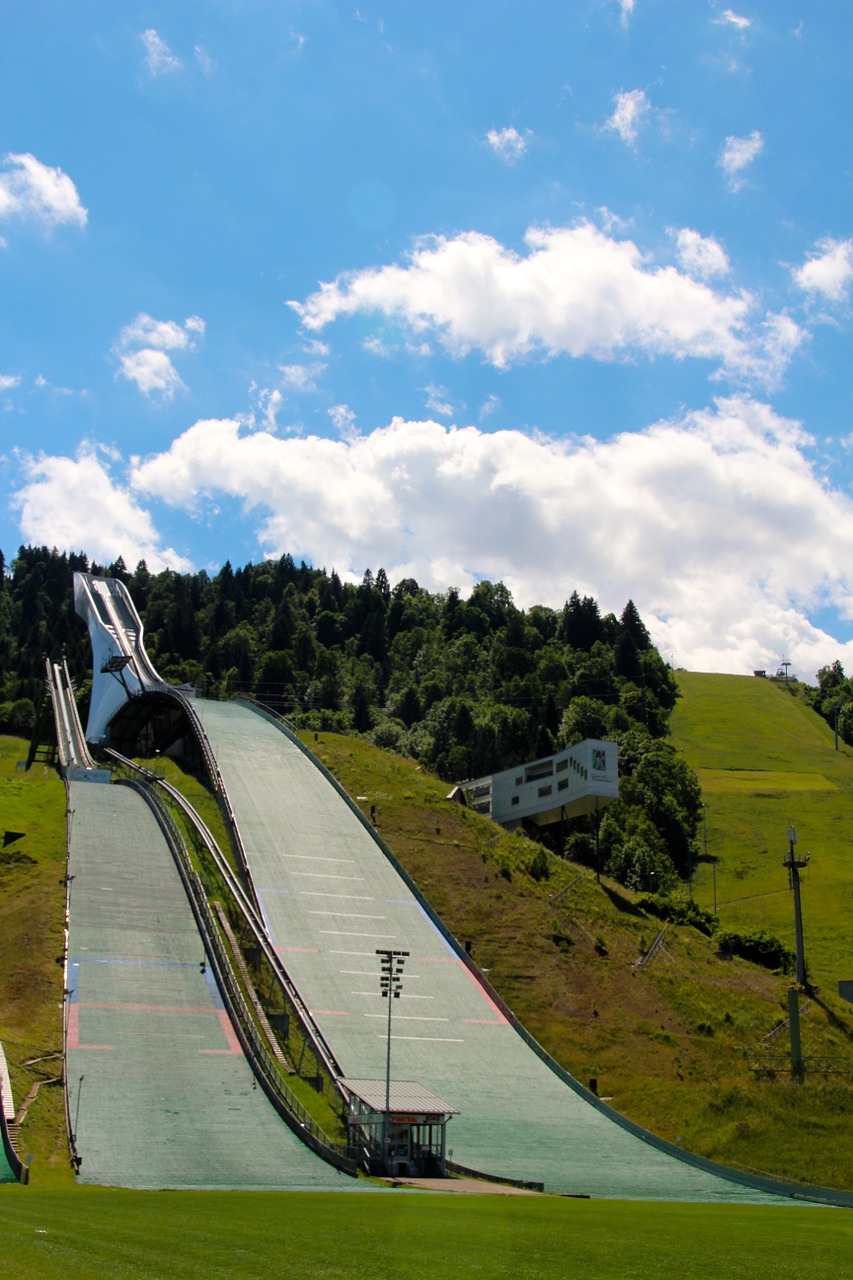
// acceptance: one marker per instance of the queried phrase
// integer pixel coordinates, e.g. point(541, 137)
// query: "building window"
point(545, 791)
point(562, 765)
point(563, 784)
point(514, 800)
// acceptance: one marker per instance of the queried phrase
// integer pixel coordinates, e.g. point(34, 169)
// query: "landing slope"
point(161, 1094)
point(330, 897)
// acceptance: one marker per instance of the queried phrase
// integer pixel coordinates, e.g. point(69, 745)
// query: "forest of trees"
point(833, 699)
point(464, 685)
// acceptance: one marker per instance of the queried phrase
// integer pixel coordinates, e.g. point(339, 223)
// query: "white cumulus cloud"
point(715, 523)
point(508, 143)
point(701, 256)
point(77, 504)
point(728, 18)
point(737, 154)
point(629, 114)
point(301, 377)
point(152, 371)
point(577, 292)
point(38, 193)
point(438, 400)
point(165, 335)
point(343, 419)
point(828, 271)
point(142, 356)
point(159, 58)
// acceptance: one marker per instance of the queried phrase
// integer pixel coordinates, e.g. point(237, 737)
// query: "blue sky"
point(552, 293)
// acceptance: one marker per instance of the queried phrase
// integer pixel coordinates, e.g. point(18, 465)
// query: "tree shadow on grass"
point(621, 903)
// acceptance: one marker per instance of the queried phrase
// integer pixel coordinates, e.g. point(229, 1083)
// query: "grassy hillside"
point(32, 915)
point(666, 1044)
point(766, 760)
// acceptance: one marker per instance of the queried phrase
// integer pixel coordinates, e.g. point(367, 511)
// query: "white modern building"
point(581, 779)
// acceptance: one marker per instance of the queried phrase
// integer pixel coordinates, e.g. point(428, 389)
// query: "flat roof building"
point(416, 1122)
point(580, 779)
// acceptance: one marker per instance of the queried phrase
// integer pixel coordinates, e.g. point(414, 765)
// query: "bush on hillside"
point(678, 910)
point(759, 946)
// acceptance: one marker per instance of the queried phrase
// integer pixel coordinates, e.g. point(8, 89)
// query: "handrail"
point(497, 999)
point(74, 1154)
point(19, 1169)
point(213, 771)
point(81, 748)
point(653, 949)
point(280, 1095)
point(498, 1178)
point(71, 742)
point(16, 1164)
point(252, 917)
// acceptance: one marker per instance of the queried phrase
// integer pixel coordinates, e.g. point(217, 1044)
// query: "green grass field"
point(765, 760)
point(114, 1235)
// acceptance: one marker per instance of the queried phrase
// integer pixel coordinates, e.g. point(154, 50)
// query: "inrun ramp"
point(7, 1173)
point(331, 897)
point(160, 1092)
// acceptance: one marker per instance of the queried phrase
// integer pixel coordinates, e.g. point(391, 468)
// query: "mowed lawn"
point(766, 761)
point(90, 1232)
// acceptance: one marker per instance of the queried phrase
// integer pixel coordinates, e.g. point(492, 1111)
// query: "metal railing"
point(16, 1164)
point(653, 949)
point(71, 741)
point(783, 1026)
point(212, 767)
point(262, 1060)
point(250, 915)
point(780, 1063)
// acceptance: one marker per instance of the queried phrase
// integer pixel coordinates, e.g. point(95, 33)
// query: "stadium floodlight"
point(391, 964)
point(793, 866)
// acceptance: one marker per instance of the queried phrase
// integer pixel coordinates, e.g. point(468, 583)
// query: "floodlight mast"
point(793, 865)
point(391, 964)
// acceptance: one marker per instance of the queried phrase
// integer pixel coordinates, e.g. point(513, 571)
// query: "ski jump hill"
point(162, 1091)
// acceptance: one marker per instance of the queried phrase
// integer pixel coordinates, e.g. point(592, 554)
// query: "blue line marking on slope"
point(208, 975)
point(269, 929)
point(436, 931)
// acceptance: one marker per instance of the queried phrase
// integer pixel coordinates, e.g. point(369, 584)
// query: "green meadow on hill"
point(766, 761)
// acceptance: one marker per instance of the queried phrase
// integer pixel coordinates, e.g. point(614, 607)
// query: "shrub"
point(759, 946)
point(538, 867)
point(18, 717)
point(678, 911)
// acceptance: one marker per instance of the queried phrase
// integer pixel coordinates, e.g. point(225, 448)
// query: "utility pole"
point(793, 866)
point(390, 986)
point(714, 867)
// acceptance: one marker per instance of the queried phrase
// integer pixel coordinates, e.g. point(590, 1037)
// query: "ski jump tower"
point(120, 665)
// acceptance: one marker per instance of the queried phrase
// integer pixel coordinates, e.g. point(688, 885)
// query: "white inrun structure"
point(120, 665)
